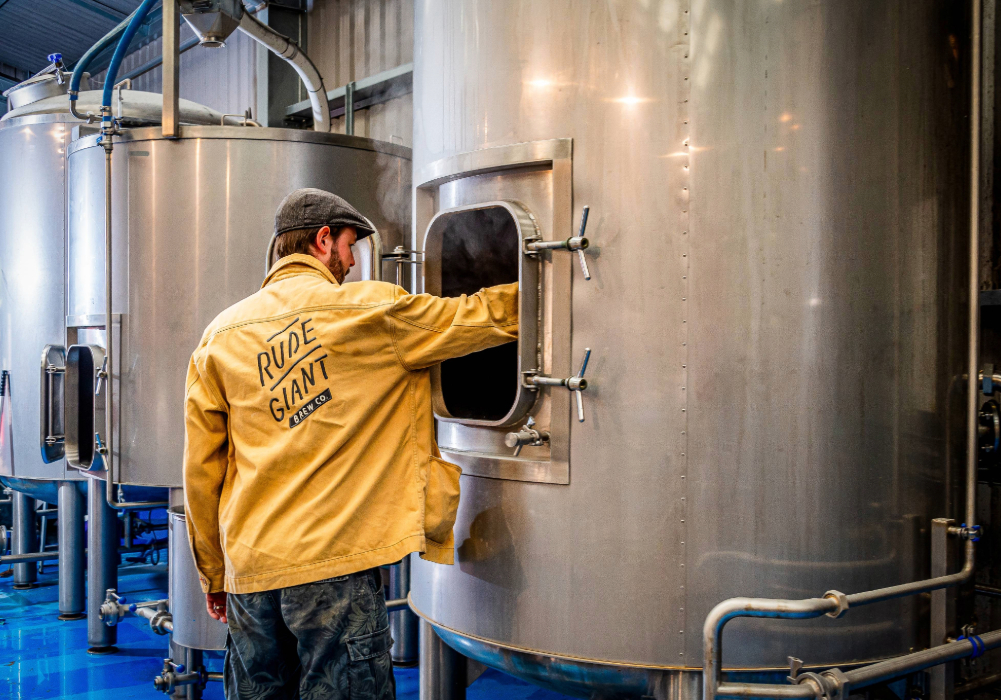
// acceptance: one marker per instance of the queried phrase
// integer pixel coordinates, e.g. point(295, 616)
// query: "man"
point(310, 457)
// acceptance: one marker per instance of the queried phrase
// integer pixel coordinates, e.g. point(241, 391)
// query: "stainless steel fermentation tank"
point(191, 221)
point(34, 136)
point(777, 319)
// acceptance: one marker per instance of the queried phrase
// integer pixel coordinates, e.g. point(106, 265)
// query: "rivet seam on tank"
point(683, 127)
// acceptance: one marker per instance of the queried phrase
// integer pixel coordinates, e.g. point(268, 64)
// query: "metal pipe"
point(52, 556)
point(171, 54)
point(145, 611)
point(194, 659)
point(837, 683)
point(286, 48)
point(990, 591)
point(754, 690)
point(712, 630)
point(81, 65)
point(442, 669)
point(102, 567)
point(402, 620)
point(349, 108)
point(25, 559)
point(973, 398)
point(24, 540)
point(834, 603)
point(131, 28)
point(919, 660)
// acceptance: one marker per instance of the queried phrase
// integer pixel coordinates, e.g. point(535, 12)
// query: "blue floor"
point(43, 657)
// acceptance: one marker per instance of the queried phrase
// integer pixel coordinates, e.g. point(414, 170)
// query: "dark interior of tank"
point(480, 248)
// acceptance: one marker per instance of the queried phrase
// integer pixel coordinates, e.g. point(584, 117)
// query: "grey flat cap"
point(309, 207)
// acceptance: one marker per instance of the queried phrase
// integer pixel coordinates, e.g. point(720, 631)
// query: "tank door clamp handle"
point(526, 436)
point(577, 384)
point(102, 376)
point(577, 244)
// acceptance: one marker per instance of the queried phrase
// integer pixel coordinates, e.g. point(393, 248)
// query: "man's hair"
point(295, 241)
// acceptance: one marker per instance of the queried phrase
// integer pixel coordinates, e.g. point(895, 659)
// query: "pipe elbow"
point(285, 48)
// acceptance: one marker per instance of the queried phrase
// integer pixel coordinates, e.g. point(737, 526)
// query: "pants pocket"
point(441, 499)
point(370, 667)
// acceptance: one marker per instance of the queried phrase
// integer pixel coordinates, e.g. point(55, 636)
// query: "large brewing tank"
point(34, 136)
point(192, 219)
point(776, 314)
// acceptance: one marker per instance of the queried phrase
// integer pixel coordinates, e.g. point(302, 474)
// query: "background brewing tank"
point(776, 314)
point(192, 221)
point(32, 290)
point(34, 137)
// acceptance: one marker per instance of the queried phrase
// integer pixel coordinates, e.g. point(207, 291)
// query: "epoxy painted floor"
point(43, 657)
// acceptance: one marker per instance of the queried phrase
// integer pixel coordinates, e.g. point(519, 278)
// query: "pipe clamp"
point(841, 599)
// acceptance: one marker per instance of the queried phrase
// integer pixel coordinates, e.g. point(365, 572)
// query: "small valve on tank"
point(526, 436)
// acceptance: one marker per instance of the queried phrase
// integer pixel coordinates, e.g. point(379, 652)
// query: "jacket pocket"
point(441, 499)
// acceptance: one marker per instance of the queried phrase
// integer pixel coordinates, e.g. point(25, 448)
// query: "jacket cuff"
point(438, 553)
point(212, 581)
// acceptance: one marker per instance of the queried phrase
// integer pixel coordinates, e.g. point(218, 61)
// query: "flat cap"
point(312, 208)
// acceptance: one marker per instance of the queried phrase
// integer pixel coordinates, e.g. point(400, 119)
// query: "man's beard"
point(336, 268)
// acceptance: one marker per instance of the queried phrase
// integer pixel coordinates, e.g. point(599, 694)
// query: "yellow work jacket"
point(310, 450)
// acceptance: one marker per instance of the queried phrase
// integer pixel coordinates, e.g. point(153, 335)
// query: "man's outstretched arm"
point(427, 329)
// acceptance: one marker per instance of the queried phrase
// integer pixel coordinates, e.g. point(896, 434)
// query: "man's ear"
point(323, 241)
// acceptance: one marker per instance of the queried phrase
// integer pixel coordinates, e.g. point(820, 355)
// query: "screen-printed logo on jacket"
point(290, 368)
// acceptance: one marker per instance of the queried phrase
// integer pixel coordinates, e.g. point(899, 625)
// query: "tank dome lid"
point(38, 87)
point(135, 105)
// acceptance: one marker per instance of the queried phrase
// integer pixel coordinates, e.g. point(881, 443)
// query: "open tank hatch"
point(470, 248)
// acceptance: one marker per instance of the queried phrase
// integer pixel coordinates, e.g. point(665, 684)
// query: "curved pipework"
point(136, 19)
point(310, 76)
point(81, 65)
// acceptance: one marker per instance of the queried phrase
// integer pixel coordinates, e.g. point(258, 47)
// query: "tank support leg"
point(443, 670)
point(72, 586)
point(943, 611)
point(24, 540)
point(194, 660)
point(102, 567)
point(402, 623)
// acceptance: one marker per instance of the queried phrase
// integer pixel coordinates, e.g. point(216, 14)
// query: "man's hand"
point(215, 603)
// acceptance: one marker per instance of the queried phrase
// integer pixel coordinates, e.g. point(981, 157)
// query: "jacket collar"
point(298, 264)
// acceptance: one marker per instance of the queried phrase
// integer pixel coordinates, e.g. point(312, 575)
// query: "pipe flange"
point(156, 622)
point(816, 681)
point(841, 599)
point(837, 683)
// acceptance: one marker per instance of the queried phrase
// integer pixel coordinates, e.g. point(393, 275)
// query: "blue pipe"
point(92, 52)
point(116, 61)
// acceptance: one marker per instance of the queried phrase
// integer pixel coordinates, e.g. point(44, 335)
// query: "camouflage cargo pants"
point(328, 639)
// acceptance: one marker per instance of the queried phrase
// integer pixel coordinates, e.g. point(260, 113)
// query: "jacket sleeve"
point(427, 329)
point(206, 454)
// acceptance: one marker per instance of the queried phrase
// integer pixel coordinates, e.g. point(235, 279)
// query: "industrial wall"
point(353, 39)
point(348, 40)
